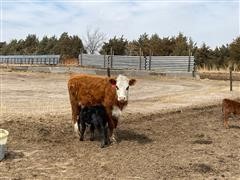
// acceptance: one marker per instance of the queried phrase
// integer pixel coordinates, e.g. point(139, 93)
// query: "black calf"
point(95, 116)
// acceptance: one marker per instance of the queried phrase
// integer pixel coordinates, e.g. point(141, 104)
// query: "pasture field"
point(171, 129)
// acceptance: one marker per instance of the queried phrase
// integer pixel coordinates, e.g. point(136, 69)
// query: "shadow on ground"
point(130, 135)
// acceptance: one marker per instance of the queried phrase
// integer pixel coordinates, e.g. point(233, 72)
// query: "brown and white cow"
point(89, 90)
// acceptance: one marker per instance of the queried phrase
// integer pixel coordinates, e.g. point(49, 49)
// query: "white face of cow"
point(122, 87)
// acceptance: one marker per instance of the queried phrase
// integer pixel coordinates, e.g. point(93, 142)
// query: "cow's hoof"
point(102, 146)
point(81, 139)
point(91, 138)
point(107, 142)
point(113, 140)
point(226, 126)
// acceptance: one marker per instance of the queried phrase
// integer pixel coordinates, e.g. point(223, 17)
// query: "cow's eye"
point(117, 88)
point(127, 88)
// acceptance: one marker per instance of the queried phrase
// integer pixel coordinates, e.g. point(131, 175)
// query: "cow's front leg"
point(111, 125)
point(112, 134)
point(76, 119)
point(114, 130)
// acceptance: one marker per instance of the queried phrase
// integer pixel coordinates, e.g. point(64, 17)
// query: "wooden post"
point(231, 68)
point(140, 59)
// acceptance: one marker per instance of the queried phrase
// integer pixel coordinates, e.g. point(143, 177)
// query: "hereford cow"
point(90, 90)
point(228, 107)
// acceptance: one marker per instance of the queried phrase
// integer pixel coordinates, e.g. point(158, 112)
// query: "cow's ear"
point(132, 82)
point(113, 81)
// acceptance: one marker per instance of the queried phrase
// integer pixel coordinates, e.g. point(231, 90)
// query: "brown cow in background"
point(89, 90)
point(228, 107)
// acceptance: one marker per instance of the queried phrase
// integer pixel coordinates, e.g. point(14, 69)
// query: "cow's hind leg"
point(226, 121)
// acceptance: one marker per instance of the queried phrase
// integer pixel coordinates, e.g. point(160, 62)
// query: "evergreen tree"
point(203, 56)
point(235, 50)
point(156, 45)
point(119, 46)
point(50, 48)
point(3, 46)
point(42, 47)
point(30, 44)
point(181, 46)
point(76, 46)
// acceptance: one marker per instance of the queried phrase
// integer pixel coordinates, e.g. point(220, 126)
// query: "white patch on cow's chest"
point(116, 112)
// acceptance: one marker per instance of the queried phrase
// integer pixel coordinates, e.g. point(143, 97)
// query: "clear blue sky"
point(213, 22)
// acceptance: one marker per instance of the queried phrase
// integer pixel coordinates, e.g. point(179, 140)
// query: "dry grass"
point(70, 61)
point(225, 69)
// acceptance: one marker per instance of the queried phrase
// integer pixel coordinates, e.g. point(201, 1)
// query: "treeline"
point(70, 46)
point(180, 45)
point(67, 46)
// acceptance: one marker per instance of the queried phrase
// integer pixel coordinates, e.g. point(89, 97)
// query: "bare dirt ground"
point(171, 129)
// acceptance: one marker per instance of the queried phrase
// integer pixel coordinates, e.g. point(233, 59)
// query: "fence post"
point(111, 58)
point(150, 60)
point(108, 68)
point(231, 68)
point(145, 62)
point(194, 69)
point(104, 60)
point(189, 60)
point(81, 56)
point(140, 59)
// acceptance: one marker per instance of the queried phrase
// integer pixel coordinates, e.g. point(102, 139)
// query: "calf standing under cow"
point(96, 117)
point(89, 90)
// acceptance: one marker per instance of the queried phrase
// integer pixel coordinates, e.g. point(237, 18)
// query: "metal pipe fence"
point(30, 59)
point(163, 63)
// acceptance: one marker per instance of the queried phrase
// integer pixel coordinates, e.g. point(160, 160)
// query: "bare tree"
point(94, 40)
